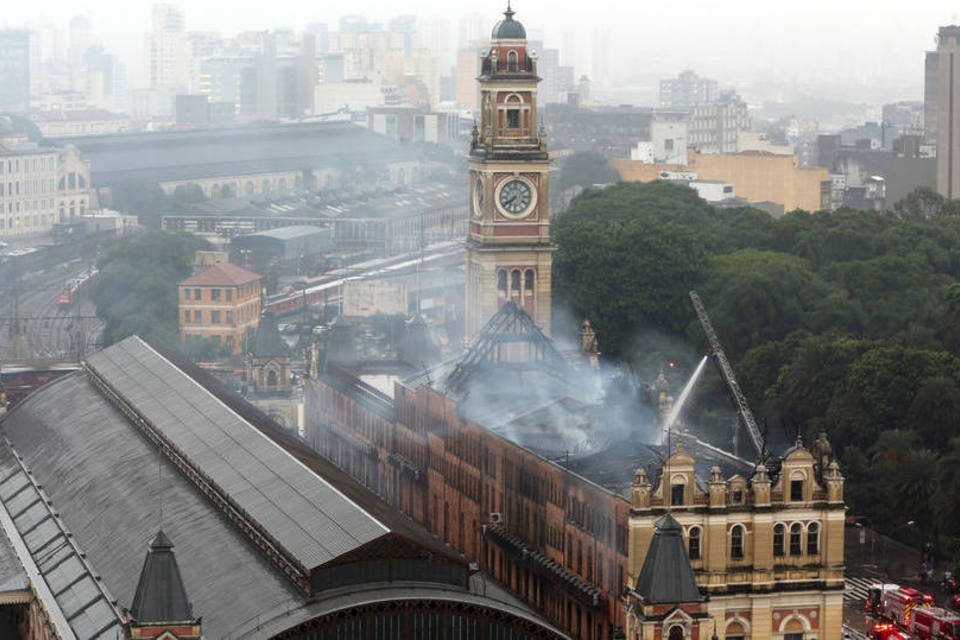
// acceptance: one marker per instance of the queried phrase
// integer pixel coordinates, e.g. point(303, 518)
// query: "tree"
point(625, 264)
point(136, 289)
point(587, 169)
point(920, 204)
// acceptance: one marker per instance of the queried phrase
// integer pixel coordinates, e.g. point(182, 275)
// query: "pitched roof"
point(267, 343)
point(222, 274)
point(161, 596)
point(666, 576)
point(510, 337)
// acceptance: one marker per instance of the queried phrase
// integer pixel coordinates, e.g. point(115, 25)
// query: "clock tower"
point(509, 254)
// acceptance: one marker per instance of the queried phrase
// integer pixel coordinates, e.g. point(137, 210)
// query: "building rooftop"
point(140, 440)
point(223, 274)
point(273, 487)
point(160, 595)
point(230, 151)
point(287, 233)
point(666, 576)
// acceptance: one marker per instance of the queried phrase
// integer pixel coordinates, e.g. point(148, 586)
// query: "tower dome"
point(508, 28)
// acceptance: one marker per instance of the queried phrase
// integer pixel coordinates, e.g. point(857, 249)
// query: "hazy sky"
point(873, 43)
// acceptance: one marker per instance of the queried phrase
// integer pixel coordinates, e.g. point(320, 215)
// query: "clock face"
point(515, 198)
point(478, 198)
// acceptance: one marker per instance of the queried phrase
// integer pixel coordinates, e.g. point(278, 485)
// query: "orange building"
point(222, 302)
point(756, 175)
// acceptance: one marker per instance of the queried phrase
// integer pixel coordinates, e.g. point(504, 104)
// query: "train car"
point(68, 294)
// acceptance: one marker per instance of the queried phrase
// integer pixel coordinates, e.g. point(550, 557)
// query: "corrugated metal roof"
point(114, 490)
point(78, 603)
point(275, 489)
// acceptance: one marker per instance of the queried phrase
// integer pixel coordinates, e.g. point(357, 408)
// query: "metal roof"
point(275, 489)
point(161, 596)
point(115, 490)
point(666, 576)
point(231, 151)
point(294, 232)
point(77, 602)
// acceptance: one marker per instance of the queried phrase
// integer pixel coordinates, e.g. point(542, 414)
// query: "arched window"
point(512, 61)
point(735, 631)
point(693, 544)
point(401, 176)
point(282, 184)
point(676, 493)
point(515, 280)
point(265, 186)
point(796, 539)
point(502, 280)
point(736, 542)
point(528, 279)
point(271, 378)
point(779, 535)
point(813, 539)
point(249, 188)
point(676, 633)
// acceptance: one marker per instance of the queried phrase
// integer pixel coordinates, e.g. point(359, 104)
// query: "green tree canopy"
point(136, 289)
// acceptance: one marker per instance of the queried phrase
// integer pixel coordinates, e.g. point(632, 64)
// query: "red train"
point(329, 287)
point(68, 295)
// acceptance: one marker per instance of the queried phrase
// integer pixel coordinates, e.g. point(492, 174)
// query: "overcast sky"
point(869, 42)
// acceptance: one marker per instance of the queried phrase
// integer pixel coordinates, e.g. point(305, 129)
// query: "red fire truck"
point(887, 631)
point(934, 622)
point(874, 603)
point(898, 605)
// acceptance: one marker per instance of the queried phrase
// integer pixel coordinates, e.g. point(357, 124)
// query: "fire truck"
point(934, 622)
point(887, 631)
point(875, 591)
point(899, 604)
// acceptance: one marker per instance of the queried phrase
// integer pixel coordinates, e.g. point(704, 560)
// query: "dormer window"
point(676, 495)
point(796, 490)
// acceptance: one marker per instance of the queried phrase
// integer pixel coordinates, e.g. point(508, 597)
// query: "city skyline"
point(877, 46)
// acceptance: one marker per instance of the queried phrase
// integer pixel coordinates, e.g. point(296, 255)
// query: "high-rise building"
point(687, 90)
point(509, 254)
point(14, 70)
point(930, 77)
point(948, 112)
point(166, 46)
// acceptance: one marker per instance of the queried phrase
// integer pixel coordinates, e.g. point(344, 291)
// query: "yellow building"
point(766, 550)
point(757, 176)
point(223, 303)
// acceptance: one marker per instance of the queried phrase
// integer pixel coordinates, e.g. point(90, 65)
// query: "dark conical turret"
point(267, 343)
point(416, 346)
point(666, 576)
point(341, 348)
point(161, 597)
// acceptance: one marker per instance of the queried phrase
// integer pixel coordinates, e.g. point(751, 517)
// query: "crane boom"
point(727, 372)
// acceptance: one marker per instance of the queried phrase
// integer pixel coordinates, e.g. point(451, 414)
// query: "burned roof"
point(510, 340)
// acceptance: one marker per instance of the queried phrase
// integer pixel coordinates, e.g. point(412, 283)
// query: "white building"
point(40, 186)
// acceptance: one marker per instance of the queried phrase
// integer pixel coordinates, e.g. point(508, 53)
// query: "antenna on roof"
point(160, 488)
